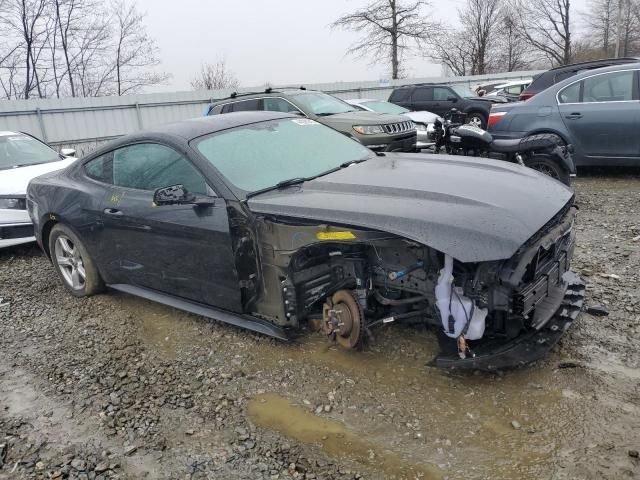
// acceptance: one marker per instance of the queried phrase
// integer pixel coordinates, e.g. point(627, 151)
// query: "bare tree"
point(599, 22)
point(546, 27)
point(511, 48)
point(479, 19)
point(24, 21)
point(469, 49)
point(135, 52)
point(214, 77)
point(452, 50)
point(604, 22)
point(390, 30)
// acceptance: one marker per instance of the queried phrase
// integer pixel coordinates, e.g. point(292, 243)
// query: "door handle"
point(574, 116)
point(112, 211)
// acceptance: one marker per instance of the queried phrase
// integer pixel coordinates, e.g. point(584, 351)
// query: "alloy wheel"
point(70, 262)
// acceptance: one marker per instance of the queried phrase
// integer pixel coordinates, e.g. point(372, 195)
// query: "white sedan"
point(23, 157)
point(424, 120)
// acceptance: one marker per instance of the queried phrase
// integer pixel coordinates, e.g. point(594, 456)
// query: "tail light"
point(526, 96)
point(495, 117)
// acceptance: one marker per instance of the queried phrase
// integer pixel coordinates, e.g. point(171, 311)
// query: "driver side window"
point(146, 166)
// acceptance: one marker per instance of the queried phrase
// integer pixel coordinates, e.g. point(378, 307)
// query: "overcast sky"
point(276, 41)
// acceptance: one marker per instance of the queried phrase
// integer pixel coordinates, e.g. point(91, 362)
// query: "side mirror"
point(173, 195)
point(451, 98)
point(68, 152)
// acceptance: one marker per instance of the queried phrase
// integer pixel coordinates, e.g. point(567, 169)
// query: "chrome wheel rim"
point(475, 121)
point(70, 263)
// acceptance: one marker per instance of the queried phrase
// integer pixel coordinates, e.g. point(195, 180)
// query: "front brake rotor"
point(343, 319)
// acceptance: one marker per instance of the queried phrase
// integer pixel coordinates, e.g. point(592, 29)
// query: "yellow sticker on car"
point(335, 235)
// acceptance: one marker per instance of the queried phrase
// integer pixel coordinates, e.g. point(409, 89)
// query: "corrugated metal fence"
point(84, 123)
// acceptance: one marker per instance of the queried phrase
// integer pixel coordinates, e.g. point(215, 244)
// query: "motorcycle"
point(543, 152)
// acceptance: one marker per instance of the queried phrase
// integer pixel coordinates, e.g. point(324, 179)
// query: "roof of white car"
point(6, 133)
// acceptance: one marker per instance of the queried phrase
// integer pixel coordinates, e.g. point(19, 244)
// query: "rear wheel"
point(75, 267)
point(546, 165)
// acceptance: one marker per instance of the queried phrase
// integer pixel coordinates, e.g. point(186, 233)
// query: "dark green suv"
point(377, 131)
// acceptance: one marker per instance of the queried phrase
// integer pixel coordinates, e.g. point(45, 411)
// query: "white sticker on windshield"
point(305, 121)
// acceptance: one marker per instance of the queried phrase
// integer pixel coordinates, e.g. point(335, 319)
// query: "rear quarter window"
point(100, 168)
point(400, 95)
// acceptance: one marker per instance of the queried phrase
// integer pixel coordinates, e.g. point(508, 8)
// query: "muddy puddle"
point(172, 332)
point(277, 413)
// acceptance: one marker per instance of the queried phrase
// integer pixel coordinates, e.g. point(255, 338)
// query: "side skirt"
point(239, 320)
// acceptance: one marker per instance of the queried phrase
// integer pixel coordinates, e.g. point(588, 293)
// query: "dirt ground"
point(117, 387)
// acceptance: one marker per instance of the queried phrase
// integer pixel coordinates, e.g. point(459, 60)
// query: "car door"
point(422, 99)
point(444, 99)
point(602, 113)
point(183, 250)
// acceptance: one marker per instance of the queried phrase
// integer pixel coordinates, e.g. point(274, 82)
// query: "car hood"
point(422, 116)
point(362, 118)
point(14, 181)
point(472, 209)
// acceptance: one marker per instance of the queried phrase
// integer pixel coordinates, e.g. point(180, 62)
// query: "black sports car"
point(268, 220)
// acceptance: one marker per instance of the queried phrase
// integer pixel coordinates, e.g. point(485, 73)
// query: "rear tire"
point(543, 164)
point(75, 267)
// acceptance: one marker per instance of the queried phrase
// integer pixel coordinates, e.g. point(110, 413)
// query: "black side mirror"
point(451, 98)
point(173, 195)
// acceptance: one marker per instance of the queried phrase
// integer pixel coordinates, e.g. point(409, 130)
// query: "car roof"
point(363, 100)
point(611, 68)
point(6, 133)
point(196, 127)
point(186, 130)
point(594, 63)
point(269, 92)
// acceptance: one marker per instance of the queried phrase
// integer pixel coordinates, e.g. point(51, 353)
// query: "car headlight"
point(13, 203)
point(368, 129)
point(421, 127)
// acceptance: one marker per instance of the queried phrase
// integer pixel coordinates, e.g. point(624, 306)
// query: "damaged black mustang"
point(270, 221)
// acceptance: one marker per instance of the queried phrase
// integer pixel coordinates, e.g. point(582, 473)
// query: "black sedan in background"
point(267, 220)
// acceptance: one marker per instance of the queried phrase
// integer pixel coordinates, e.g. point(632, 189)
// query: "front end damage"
point(350, 282)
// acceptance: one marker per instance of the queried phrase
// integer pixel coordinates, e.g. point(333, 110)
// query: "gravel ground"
point(117, 387)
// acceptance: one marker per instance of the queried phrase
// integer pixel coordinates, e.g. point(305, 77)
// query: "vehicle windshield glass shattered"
point(261, 155)
point(22, 150)
point(320, 103)
point(463, 91)
point(385, 107)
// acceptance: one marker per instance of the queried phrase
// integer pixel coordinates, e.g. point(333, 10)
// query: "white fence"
point(84, 123)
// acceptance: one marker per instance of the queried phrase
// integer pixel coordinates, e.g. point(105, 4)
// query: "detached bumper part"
point(528, 347)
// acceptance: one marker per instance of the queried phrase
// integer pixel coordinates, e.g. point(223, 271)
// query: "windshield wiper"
point(298, 180)
point(279, 185)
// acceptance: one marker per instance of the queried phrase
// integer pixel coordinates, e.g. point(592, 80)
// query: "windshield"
point(261, 155)
point(385, 107)
point(320, 103)
point(463, 91)
point(22, 150)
